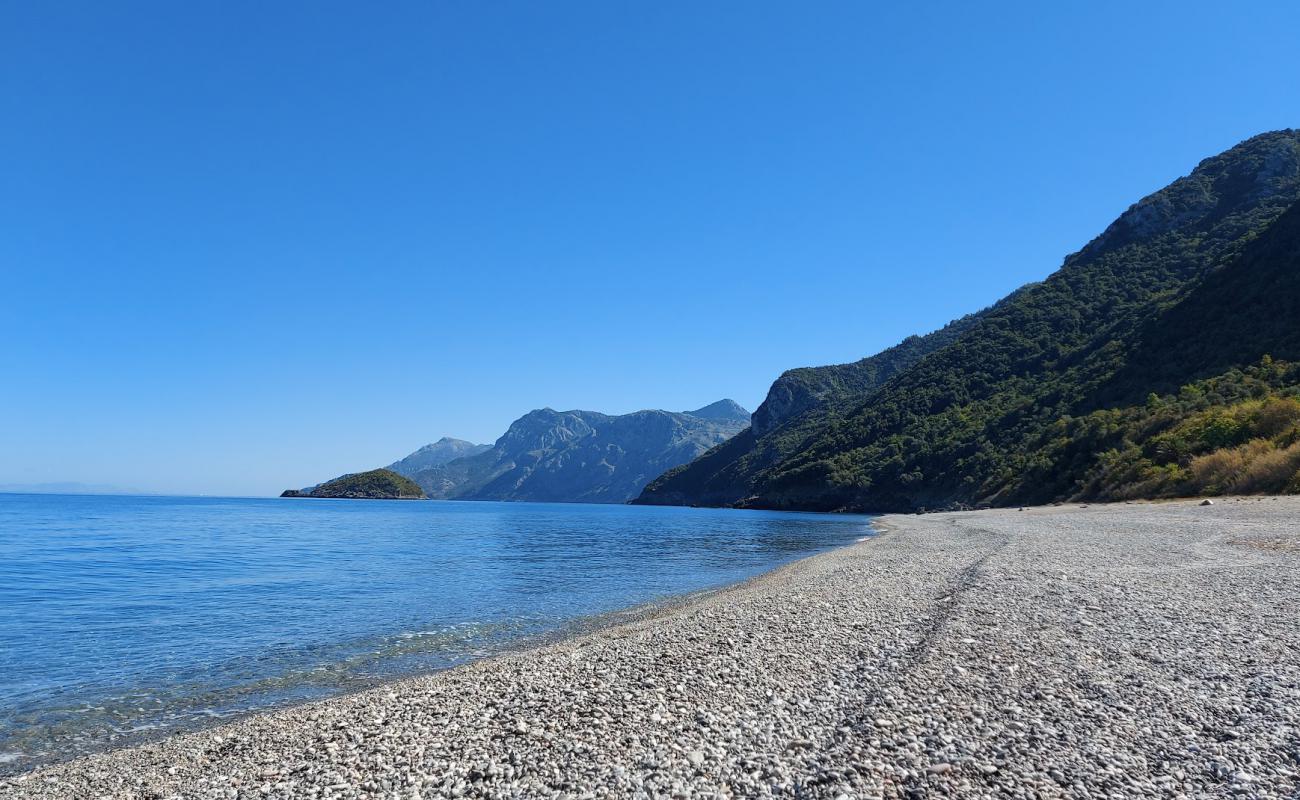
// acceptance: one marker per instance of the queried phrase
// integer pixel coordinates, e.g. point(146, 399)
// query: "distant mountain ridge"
point(1043, 396)
point(436, 454)
point(571, 456)
point(728, 411)
point(582, 456)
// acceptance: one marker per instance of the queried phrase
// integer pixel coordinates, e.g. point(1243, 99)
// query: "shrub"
point(1293, 487)
point(1270, 472)
point(1219, 471)
point(1276, 416)
point(1253, 468)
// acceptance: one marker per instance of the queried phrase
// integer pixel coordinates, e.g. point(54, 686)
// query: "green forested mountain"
point(804, 398)
point(799, 391)
point(1072, 387)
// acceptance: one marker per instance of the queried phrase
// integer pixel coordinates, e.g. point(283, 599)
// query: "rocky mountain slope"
point(581, 456)
point(435, 455)
point(1190, 287)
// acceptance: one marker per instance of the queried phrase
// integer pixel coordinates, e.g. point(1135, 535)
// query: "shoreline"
point(569, 631)
point(1133, 649)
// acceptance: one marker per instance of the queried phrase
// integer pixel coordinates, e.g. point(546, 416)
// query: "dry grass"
point(1257, 467)
point(1218, 472)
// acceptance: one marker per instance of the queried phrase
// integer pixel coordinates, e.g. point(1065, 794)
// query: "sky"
point(247, 246)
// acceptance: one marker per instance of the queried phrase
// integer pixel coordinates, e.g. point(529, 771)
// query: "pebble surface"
point(1144, 650)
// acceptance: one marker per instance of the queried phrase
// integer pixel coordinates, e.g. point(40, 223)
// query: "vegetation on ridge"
point(1237, 433)
point(1196, 280)
point(377, 484)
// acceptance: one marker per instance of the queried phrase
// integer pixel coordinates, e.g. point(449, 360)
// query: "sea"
point(123, 618)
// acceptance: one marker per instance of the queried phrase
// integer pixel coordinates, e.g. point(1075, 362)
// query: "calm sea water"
point(124, 616)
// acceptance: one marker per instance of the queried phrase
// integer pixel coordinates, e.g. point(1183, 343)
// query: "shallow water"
point(124, 616)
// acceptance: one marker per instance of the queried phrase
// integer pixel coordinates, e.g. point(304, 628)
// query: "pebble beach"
point(1130, 650)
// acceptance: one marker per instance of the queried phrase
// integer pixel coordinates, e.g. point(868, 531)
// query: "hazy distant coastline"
point(68, 487)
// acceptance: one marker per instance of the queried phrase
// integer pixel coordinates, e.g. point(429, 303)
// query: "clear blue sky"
point(247, 246)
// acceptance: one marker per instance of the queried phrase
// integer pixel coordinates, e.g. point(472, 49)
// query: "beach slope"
point(1127, 650)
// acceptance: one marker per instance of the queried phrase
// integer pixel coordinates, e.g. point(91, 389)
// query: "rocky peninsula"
point(1107, 651)
point(377, 484)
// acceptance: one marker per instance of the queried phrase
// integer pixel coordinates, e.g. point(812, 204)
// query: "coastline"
point(573, 628)
point(963, 652)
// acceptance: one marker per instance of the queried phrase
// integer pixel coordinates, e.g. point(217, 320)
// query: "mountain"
point(436, 454)
point(377, 484)
point(1035, 398)
point(807, 394)
point(806, 389)
point(581, 456)
point(727, 411)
